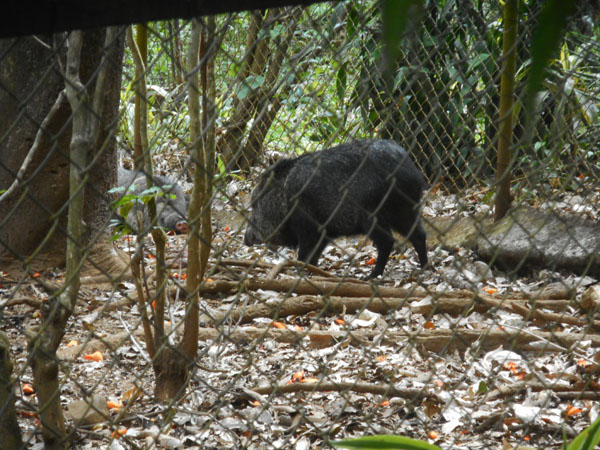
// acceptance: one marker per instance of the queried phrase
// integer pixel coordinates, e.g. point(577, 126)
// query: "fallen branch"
point(29, 301)
point(552, 317)
point(309, 287)
point(276, 268)
point(514, 389)
point(305, 304)
point(385, 390)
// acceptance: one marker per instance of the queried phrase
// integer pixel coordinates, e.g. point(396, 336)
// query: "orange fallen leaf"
point(35, 275)
point(572, 410)
point(433, 434)
point(279, 325)
point(184, 276)
point(131, 395)
point(226, 228)
point(490, 290)
point(298, 376)
point(583, 363)
point(118, 433)
point(385, 403)
point(150, 256)
point(28, 389)
point(527, 438)
point(340, 321)
point(72, 343)
point(429, 325)
point(439, 383)
point(299, 328)
point(114, 405)
point(381, 358)
point(371, 261)
point(96, 356)
point(209, 280)
point(255, 403)
point(153, 304)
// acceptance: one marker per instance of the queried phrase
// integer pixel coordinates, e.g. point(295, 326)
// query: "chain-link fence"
point(331, 266)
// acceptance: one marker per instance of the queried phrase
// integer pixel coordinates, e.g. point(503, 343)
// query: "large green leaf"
point(546, 41)
point(383, 442)
point(588, 438)
point(396, 15)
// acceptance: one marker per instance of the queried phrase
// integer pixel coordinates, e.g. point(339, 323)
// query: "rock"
point(528, 238)
point(483, 271)
point(591, 299)
point(89, 412)
point(555, 291)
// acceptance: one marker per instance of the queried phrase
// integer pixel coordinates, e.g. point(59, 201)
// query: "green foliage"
point(125, 203)
point(383, 442)
point(250, 84)
point(586, 440)
point(438, 96)
point(552, 23)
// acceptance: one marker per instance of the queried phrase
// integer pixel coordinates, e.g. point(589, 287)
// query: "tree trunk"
point(33, 218)
point(507, 91)
point(9, 427)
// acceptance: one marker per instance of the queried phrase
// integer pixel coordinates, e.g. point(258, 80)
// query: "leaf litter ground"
point(373, 373)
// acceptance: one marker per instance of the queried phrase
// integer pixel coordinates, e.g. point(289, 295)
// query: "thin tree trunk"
point(45, 342)
point(162, 356)
point(141, 38)
point(507, 90)
point(9, 427)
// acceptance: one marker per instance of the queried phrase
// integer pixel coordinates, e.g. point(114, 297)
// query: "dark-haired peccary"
point(366, 187)
point(171, 205)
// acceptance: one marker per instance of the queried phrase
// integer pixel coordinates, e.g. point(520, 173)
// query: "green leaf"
point(277, 31)
point(396, 15)
point(383, 442)
point(553, 21)
point(482, 388)
point(588, 439)
point(250, 84)
point(340, 82)
point(116, 190)
point(353, 22)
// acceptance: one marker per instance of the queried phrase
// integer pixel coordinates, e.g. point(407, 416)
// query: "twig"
point(133, 339)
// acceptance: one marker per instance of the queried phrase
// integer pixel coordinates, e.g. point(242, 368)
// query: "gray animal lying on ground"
point(366, 187)
point(171, 212)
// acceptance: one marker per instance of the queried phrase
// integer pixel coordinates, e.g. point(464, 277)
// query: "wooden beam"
point(26, 17)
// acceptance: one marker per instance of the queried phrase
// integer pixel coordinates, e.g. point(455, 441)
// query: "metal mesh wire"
point(492, 343)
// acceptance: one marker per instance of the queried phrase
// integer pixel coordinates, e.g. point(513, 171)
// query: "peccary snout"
point(366, 187)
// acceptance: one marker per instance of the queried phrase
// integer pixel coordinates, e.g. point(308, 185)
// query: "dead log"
point(304, 304)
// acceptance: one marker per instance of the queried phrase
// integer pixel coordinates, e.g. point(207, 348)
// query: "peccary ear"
point(282, 167)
